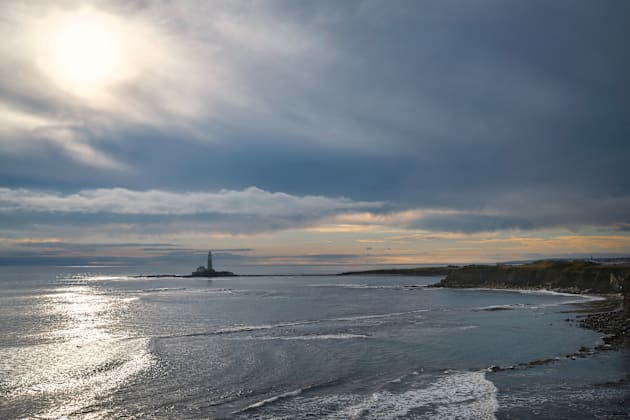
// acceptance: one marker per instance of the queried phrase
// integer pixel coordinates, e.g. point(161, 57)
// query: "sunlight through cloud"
point(84, 52)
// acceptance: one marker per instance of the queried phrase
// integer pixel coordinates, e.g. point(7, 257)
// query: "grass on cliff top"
point(543, 265)
point(563, 266)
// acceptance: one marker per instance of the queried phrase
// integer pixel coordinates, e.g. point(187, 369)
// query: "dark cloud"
point(469, 223)
point(623, 227)
point(512, 114)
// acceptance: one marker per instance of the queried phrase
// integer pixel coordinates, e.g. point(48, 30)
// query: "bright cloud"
point(250, 201)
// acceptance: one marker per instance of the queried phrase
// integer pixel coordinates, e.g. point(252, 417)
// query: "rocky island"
point(208, 271)
point(201, 271)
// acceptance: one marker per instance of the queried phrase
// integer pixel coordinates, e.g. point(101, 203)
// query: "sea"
point(107, 342)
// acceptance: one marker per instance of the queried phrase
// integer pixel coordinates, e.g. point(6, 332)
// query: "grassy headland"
point(561, 276)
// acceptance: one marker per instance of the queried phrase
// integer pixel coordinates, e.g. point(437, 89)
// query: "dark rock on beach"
point(615, 324)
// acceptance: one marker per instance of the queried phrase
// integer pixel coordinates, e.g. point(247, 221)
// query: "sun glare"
point(85, 53)
point(82, 52)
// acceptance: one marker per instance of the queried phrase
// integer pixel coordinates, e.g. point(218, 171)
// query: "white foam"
point(540, 292)
point(461, 395)
point(467, 327)
point(235, 329)
point(244, 328)
point(312, 337)
point(270, 400)
point(346, 285)
point(377, 316)
point(456, 395)
point(370, 286)
point(163, 289)
point(573, 302)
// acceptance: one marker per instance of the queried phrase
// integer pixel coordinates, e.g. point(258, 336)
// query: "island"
point(208, 271)
point(201, 271)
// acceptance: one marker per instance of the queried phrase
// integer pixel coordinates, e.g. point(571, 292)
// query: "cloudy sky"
point(356, 132)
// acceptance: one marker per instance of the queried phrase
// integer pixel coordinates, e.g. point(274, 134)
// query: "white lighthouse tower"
point(209, 268)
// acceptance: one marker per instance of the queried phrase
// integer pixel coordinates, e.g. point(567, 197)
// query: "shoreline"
point(600, 312)
point(604, 316)
point(608, 318)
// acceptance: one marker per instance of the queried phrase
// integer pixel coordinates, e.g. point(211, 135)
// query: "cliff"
point(562, 276)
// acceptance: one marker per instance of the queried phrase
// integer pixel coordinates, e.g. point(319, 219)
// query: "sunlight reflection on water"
point(81, 359)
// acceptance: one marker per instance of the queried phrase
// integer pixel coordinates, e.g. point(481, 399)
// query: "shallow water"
point(95, 342)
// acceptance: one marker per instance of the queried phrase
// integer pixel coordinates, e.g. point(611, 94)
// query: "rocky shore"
point(615, 324)
point(605, 317)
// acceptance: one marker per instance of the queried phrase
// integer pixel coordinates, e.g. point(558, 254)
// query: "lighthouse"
point(209, 271)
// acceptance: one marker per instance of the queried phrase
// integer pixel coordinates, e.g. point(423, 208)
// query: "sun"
point(83, 52)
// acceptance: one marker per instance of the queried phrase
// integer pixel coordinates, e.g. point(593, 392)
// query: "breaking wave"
point(455, 395)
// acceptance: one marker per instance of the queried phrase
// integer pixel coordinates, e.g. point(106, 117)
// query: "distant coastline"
point(561, 276)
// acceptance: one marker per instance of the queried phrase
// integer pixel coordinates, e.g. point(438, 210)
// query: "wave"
point(466, 327)
point(371, 286)
point(241, 328)
point(456, 395)
point(271, 400)
point(580, 299)
point(342, 336)
point(163, 289)
point(583, 297)
point(238, 329)
point(285, 396)
point(463, 395)
point(178, 289)
point(377, 316)
point(235, 329)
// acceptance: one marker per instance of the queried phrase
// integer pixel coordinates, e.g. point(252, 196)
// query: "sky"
point(301, 132)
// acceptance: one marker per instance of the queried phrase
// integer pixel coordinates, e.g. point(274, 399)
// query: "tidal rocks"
point(616, 324)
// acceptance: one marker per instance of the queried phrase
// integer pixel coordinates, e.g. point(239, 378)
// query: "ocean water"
point(95, 342)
